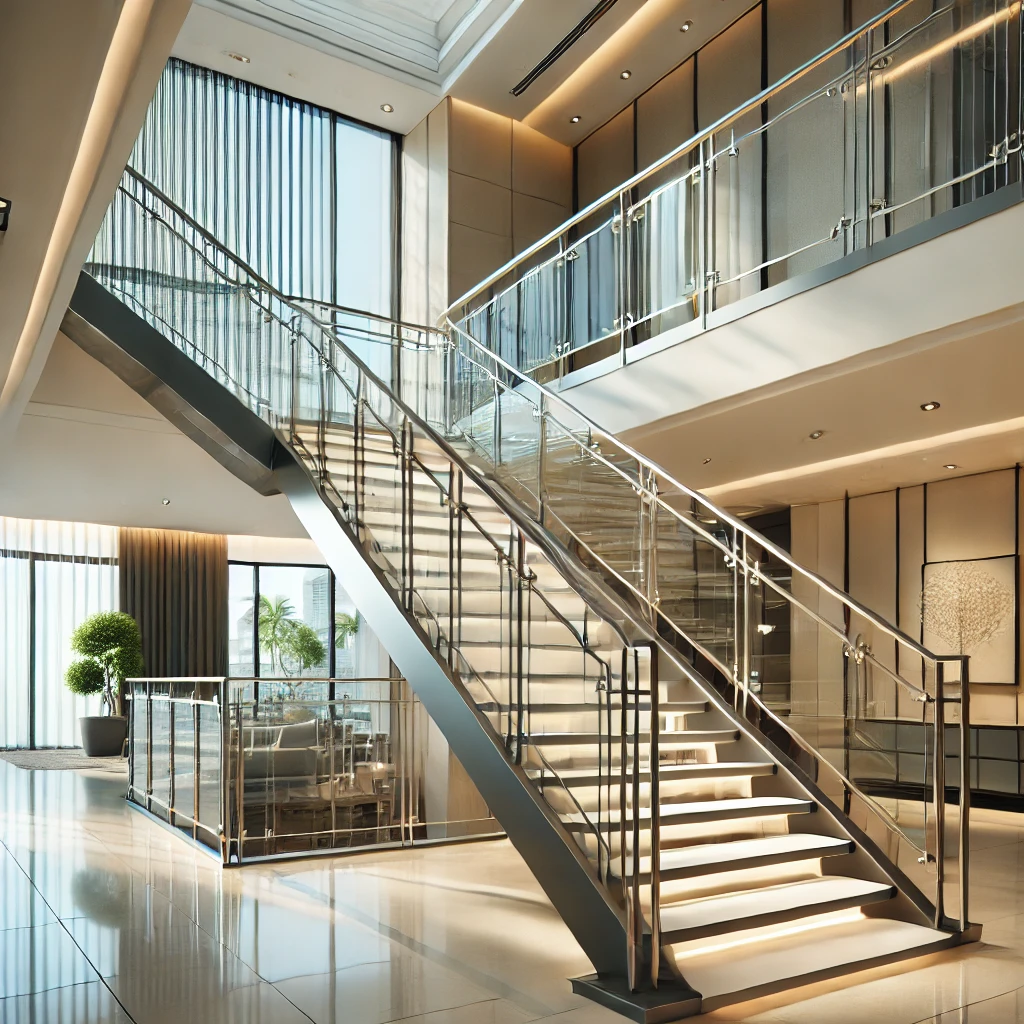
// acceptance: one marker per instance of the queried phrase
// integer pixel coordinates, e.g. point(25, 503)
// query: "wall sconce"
point(5, 213)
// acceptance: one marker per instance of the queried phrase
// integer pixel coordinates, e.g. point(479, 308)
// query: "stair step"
point(755, 908)
point(583, 777)
point(771, 963)
point(688, 707)
point(694, 861)
point(698, 812)
point(666, 740)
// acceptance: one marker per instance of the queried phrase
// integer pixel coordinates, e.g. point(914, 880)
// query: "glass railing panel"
point(160, 752)
point(184, 765)
point(595, 286)
point(945, 88)
point(209, 771)
point(809, 155)
point(663, 254)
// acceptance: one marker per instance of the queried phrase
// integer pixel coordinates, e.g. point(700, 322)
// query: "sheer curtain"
point(52, 576)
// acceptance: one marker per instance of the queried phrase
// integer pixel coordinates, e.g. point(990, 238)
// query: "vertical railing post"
point(623, 267)
point(171, 788)
point(224, 771)
point(624, 860)
point(869, 143)
point(746, 623)
point(963, 833)
point(939, 789)
point(700, 262)
point(522, 585)
point(149, 745)
point(655, 798)
point(195, 766)
point(638, 928)
point(542, 440)
point(710, 241)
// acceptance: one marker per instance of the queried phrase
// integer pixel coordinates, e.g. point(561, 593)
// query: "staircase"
point(583, 629)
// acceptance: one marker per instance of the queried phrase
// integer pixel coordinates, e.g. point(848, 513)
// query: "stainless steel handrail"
point(692, 143)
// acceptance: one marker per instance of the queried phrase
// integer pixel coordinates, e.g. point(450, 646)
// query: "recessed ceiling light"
point(240, 57)
point(575, 119)
point(930, 406)
point(686, 26)
point(815, 434)
point(707, 460)
point(625, 74)
point(387, 108)
point(165, 501)
point(950, 466)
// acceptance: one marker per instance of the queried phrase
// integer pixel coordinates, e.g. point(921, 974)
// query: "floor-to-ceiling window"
point(301, 622)
point(303, 195)
point(52, 576)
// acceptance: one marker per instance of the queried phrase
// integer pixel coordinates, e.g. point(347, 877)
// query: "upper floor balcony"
point(865, 200)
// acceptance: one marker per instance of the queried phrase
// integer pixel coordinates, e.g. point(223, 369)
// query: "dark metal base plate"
point(666, 1003)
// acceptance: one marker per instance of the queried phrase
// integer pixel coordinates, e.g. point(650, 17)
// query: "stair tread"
point(692, 859)
point(665, 739)
point(713, 810)
point(670, 772)
point(581, 707)
point(774, 962)
point(792, 900)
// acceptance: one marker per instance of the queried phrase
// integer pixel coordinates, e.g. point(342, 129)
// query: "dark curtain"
point(175, 586)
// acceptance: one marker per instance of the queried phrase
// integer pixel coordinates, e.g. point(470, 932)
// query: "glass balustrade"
point(914, 115)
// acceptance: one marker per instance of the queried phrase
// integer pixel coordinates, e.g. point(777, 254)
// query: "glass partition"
point(278, 767)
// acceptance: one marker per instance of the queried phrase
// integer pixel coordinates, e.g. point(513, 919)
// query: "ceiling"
point(89, 449)
point(875, 436)
point(355, 56)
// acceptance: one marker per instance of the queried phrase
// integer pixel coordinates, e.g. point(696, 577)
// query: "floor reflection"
point(108, 917)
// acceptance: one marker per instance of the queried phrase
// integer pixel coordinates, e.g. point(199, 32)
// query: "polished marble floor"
point(107, 917)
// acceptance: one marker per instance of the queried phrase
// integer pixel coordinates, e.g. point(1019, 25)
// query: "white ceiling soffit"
point(411, 41)
point(642, 36)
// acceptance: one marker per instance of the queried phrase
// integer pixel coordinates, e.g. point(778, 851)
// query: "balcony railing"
point(278, 767)
point(914, 114)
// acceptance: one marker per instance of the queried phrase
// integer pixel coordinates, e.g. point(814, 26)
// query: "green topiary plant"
point(111, 649)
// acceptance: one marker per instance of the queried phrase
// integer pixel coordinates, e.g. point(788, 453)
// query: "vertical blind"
point(52, 576)
point(301, 194)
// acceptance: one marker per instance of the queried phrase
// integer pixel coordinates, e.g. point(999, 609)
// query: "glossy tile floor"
point(107, 917)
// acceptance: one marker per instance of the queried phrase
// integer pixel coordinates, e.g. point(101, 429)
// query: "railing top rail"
point(752, 104)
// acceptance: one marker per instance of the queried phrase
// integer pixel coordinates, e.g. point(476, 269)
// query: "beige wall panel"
point(872, 552)
point(831, 555)
point(803, 654)
point(806, 172)
point(729, 69)
point(541, 167)
point(728, 74)
point(911, 559)
point(971, 517)
point(665, 119)
point(605, 159)
point(872, 572)
point(437, 214)
point(481, 144)
point(479, 204)
point(533, 218)
point(474, 254)
point(415, 177)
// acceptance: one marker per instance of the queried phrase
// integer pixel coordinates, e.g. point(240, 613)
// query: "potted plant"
point(111, 650)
